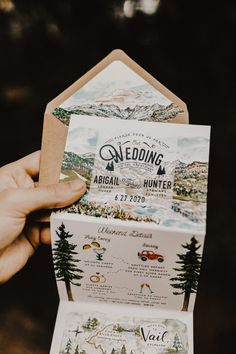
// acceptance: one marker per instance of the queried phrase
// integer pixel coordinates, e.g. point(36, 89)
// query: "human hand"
point(19, 235)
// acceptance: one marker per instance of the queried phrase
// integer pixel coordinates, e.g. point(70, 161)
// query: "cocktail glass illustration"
point(99, 253)
point(147, 286)
point(141, 288)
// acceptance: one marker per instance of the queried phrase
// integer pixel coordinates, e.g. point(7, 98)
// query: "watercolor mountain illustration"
point(118, 92)
point(185, 166)
point(190, 182)
point(75, 165)
point(153, 113)
point(188, 206)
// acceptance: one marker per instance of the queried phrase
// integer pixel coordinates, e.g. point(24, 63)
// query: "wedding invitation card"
point(127, 255)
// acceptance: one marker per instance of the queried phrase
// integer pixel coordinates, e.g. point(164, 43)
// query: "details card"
point(125, 263)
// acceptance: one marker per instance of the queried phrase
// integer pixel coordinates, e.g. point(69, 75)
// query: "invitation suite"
point(127, 255)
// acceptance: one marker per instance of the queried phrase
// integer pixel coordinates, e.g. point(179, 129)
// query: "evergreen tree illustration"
point(177, 345)
point(68, 346)
point(187, 280)
point(110, 166)
point(94, 323)
point(161, 171)
point(64, 261)
point(87, 324)
point(123, 350)
point(91, 323)
point(113, 351)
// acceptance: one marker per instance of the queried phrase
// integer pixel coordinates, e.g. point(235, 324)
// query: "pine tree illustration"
point(87, 324)
point(94, 323)
point(64, 261)
point(113, 351)
point(110, 166)
point(91, 324)
point(123, 350)
point(68, 346)
point(189, 272)
point(161, 171)
point(177, 345)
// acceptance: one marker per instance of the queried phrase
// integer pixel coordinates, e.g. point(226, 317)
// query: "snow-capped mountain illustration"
point(118, 92)
point(153, 113)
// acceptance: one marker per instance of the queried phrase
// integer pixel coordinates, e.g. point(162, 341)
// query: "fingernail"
point(77, 185)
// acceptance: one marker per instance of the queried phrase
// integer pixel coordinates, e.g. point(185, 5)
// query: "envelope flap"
point(117, 55)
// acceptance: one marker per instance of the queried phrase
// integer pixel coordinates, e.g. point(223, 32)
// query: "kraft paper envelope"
point(55, 131)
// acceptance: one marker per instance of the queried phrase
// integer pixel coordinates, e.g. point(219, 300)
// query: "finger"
point(14, 258)
point(32, 233)
point(24, 201)
point(37, 233)
point(45, 235)
point(30, 163)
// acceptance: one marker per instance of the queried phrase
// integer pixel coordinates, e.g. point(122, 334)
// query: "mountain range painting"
point(185, 165)
point(118, 92)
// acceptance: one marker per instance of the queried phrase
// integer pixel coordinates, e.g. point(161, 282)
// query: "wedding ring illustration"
point(86, 247)
point(94, 244)
point(97, 278)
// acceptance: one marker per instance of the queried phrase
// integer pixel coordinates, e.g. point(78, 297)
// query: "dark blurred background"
point(190, 47)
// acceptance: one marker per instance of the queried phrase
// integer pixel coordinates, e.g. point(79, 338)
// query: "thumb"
point(52, 196)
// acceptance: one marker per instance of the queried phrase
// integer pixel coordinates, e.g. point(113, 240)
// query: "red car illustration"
point(144, 255)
